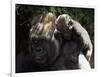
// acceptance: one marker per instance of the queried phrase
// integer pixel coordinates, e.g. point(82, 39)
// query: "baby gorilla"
point(70, 30)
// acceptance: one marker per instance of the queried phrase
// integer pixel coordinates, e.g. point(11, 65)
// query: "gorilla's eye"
point(35, 41)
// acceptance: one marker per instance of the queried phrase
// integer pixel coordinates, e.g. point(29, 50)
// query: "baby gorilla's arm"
point(85, 39)
point(83, 63)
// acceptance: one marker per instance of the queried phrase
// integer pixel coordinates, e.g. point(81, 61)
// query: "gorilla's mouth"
point(40, 60)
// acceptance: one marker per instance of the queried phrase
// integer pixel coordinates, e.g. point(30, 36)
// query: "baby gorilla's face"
point(62, 22)
point(43, 51)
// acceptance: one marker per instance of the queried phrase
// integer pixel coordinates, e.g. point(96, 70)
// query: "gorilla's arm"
point(85, 39)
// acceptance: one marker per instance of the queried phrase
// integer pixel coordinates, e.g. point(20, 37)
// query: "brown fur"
point(45, 26)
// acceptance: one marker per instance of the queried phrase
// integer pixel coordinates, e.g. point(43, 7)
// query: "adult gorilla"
point(43, 50)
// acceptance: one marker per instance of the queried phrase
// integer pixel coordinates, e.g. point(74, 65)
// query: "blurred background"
point(28, 15)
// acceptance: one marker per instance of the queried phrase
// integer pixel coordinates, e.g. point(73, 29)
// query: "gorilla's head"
point(64, 25)
point(43, 51)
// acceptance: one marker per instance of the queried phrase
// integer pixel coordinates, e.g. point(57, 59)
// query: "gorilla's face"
point(63, 25)
point(43, 51)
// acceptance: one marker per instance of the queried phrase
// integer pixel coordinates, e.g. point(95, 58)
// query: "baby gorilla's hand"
point(88, 55)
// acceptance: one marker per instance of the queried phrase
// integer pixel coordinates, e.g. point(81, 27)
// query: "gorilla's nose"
point(36, 41)
point(39, 49)
point(38, 57)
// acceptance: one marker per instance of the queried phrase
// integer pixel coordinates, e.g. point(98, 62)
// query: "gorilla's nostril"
point(39, 49)
point(38, 57)
point(35, 41)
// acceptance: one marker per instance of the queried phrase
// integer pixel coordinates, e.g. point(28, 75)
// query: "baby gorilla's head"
point(43, 51)
point(64, 25)
point(63, 22)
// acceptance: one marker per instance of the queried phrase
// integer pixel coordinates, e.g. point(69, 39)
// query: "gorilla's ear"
point(70, 23)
